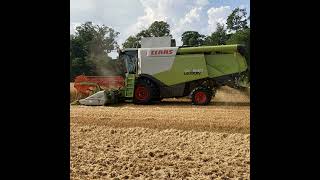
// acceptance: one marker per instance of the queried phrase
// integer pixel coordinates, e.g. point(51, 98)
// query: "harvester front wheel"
point(201, 96)
point(142, 93)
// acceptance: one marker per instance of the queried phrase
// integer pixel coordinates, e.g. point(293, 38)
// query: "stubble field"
point(169, 140)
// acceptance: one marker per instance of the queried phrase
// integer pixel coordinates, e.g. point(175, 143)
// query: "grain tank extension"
point(157, 70)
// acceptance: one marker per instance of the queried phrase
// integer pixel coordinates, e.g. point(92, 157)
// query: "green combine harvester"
point(157, 70)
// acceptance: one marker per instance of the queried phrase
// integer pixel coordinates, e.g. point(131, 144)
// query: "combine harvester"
point(157, 70)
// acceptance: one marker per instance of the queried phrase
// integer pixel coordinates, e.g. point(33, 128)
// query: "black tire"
point(155, 92)
point(145, 92)
point(157, 99)
point(201, 96)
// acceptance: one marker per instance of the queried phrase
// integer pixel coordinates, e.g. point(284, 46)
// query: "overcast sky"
point(130, 16)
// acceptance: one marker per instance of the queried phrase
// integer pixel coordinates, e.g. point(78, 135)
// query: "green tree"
point(159, 29)
point(131, 42)
point(219, 37)
point(78, 62)
point(238, 23)
point(89, 47)
point(192, 38)
point(156, 29)
point(242, 37)
point(237, 20)
point(103, 40)
point(143, 33)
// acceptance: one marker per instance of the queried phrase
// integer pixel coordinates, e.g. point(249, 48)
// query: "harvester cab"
point(159, 70)
point(129, 59)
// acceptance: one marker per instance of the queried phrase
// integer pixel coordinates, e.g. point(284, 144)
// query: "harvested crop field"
point(170, 140)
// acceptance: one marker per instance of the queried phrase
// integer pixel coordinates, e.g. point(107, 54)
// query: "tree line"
point(90, 45)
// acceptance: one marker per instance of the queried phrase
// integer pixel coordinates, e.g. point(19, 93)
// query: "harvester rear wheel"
point(201, 96)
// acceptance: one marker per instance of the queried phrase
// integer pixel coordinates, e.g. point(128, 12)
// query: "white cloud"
point(181, 15)
point(186, 23)
point(243, 6)
point(156, 10)
point(82, 5)
point(191, 16)
point(217, 15)
point(118, 14)
point(202, 2)
point(130, 17)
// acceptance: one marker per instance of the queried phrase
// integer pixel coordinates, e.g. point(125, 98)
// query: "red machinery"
point(87, 84)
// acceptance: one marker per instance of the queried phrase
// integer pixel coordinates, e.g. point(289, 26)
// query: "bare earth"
point(170, 140)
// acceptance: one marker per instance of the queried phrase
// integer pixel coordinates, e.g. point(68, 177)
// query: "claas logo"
point(161, 52)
